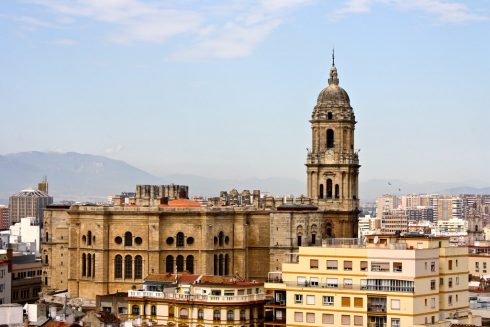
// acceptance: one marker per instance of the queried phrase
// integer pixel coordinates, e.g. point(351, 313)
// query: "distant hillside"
point(85, 177)
point(71, 176)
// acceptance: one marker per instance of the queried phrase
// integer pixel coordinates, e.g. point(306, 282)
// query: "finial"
point(333, 56)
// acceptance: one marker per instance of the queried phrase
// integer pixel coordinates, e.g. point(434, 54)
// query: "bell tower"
point(332, 164)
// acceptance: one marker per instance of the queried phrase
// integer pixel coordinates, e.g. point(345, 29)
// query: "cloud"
point(117, 148)
point(443, 11)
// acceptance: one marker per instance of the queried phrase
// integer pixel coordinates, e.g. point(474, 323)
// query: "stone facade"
point(107, 249)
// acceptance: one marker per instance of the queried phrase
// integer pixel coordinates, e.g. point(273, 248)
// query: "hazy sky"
point(226, 89)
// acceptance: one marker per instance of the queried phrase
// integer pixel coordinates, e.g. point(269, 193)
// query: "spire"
point(333, 71)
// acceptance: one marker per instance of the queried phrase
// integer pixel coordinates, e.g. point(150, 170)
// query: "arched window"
point(230, 315)
point(299, 240)
point(330, 138)
point(138, 267)
point(215, 264)
point(128, 267)
point(189, 264)
point(180, 263)
point(153, 310)
point(118, 266)
point(221, 238)
point(89, 265)
point(180, 239)
point(128, 239)
point(329, 230)
point(313, 238)
point(47, 237)
point(321, 191)
point(227, 265)
point(242, 315)
point(220, 266)
point(337, 191)
point(215, 241)
point(135, 310)
point(329, 188)
point(93, 265)
point(171, 311)
point(169, 264)
point(329, 115)
point(84, 265)
point(89, 238)
point(216, 315)
point(200, 314)
point(184, 313)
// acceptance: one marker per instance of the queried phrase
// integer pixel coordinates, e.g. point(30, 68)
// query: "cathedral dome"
point(333, 93)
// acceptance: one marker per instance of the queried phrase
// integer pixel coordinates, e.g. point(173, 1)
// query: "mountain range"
point(85, 177)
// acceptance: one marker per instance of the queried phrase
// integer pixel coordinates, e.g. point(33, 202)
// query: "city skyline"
point(226, 90)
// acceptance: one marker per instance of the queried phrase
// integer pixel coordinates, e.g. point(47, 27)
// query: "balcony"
point(376, 304)
point(402, 289)
point(197, 297)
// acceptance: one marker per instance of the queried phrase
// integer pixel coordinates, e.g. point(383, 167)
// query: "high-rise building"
point(388, 280)
point(386, 203)
point(4, 217)
point(29, 203)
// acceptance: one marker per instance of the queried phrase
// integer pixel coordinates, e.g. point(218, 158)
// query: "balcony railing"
point(404, 289)
point(197, 297)
point(376, 307)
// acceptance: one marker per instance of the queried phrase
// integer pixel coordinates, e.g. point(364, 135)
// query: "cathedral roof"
point(333, 93)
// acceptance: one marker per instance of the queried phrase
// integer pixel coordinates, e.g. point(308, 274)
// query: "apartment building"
point(197, 300)
point(388, 280)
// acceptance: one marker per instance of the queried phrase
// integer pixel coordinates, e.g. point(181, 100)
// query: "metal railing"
point(197, 297)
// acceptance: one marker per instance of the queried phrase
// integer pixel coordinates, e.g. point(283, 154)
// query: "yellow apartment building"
point(381, 281)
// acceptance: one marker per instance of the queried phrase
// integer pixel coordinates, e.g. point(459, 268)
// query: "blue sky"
point(226, 89)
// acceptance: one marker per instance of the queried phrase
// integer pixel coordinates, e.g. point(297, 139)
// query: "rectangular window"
point(358, 302)
point(433, 284)
point(450, 300)
point(395, 322)
point(358, 321)
point(397, 267)
point(364, 265)
point(327, 319)
point(345, 301)
point(298, 316)
point(380, 266)
point(314, 281)
point(450, 282)
point(327, 300)
point(450, 265)
point(345, 320)
point(332, 282)
point(395, 304)
point(441, 281)
point(310, 317)
point(456, 262)
point(301, 280)
point(347, 283)
point(298, 298)
point(310, 299)
point(457, 280)
point(432, 303)
point(332, 264)
point(347, 265)
point(313, 263)
point(433, 266)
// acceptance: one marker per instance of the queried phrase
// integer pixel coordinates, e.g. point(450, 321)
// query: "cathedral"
point(98, 249)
